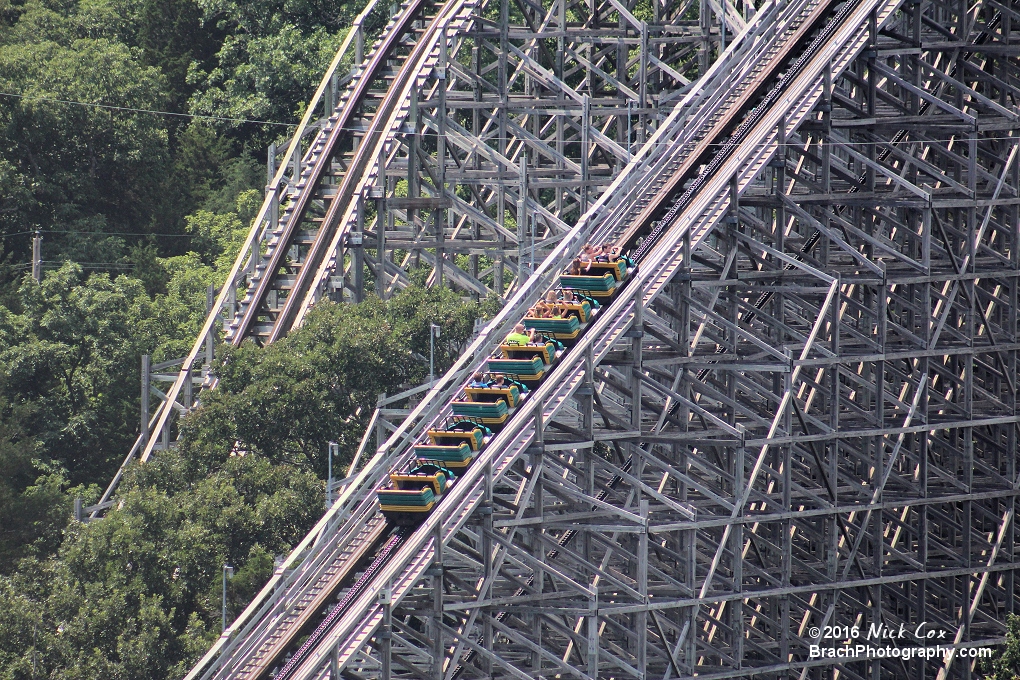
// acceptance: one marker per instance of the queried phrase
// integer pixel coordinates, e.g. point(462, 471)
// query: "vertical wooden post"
point(522, 219)
point(381, 223)
point(642, 587)
point(386, 634)
point(438, 652)
point(487, 637)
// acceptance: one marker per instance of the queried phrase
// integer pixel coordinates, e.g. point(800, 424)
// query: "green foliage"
point(137, 594)
point(84, 154)
point(61, 159)
point(66, 355)
point(320, 384)
point(1006, 666)
point(115, 186)
point(32, 505)
point(274, 55)
point(171, 37)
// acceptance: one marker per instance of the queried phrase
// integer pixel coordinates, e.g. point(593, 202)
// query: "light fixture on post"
point(434, 330)
point(334, 449)
point(228, 573)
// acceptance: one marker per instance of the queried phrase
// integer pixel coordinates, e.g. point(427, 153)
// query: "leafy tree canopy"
point(138, 593)
point(142, 211)
point(1006, 666)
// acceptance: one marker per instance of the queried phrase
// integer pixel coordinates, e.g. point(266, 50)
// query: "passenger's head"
point(477, 377)
point(519, 328)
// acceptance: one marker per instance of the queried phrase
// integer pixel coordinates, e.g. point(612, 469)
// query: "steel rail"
point(161, 418)
point(275, 640)
point(395, 541)
point(326, 576)
point(703, 107)
point(655, 271)
point(356, 95)
point(362, 166)
point(743, 93)
point(302, 575)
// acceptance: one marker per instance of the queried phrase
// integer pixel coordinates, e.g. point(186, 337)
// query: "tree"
point(288, 400)
point(272, 57)
point(1006, 666)
point(172, 37)
point(33, 508)
point(72, 167)
point(66, 355)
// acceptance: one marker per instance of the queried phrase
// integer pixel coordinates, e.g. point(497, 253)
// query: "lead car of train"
point(516, 368)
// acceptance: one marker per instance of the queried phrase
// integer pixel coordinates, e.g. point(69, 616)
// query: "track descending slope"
point(694, 221)
point(459, 118)
point(719, 124)
point(304, 258)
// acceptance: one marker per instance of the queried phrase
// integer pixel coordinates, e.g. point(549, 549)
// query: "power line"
point(97, 233)
point(134, 110)
point(358, 129)
point(84, 265)
point(113, 233)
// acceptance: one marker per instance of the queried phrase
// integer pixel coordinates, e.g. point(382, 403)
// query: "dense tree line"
point(137, 594)
point(127, 138)
point(141, 211)
point(82, 155)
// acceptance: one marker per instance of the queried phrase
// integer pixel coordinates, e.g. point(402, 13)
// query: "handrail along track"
point(648, 159)
point(244, 262)
point(717, 148)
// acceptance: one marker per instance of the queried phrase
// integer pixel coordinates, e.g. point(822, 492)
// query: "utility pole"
point(146, 377)
point(37, 256)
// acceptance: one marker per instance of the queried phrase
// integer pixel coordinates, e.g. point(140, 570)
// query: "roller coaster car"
point(546, 351)
point(528, 371)
point(562, 329)
point(491, 413)
point(600, 286)
point(617, 268)
point(582, 310)
point(453, 434)
point(510, 394)
point(412, 494)
point(454, 457)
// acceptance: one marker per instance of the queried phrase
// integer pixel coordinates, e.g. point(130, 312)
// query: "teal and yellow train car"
point(449, 449)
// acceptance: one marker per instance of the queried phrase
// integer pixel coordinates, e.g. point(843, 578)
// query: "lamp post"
point(334, 448)
point(433, 334)
point(228, 573)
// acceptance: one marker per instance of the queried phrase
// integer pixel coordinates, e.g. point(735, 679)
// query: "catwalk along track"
point(672, 195)
point(435, 124)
